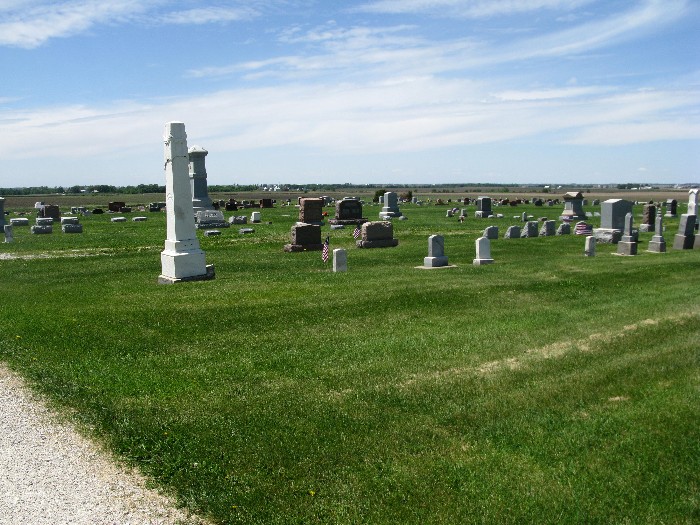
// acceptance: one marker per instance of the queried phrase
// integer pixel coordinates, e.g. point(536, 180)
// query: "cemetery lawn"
point(544, 388)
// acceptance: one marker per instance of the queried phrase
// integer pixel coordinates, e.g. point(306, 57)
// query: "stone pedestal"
point(182, 259)
point(483, 252)
point(573, 206)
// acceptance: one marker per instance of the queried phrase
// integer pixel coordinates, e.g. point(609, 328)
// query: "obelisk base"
point(182, 266)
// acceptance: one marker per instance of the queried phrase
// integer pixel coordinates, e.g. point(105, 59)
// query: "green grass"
point(547, 387)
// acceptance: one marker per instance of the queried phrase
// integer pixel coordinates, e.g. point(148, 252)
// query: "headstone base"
point(388, 215)
point(626, 248)
point(482, 214)
point(657, 246)
point(607, 236)
point(303, 247)
point(40, 229)
point(646, 228)
point(479, 262)
point(380, 243)
point(435, 262)
point(212, 225)
point(72, 228)
point(683, 242)
point(348, 222)
point(188, 262)
point(210, 274)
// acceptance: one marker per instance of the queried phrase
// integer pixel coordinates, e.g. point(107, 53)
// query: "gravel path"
point(50, 474)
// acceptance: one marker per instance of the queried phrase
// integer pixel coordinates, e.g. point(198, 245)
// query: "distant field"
point(545, 388)
point(93, 199)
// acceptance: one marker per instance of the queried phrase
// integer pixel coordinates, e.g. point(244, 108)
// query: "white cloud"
point(405, 114)
point(363, 51)
point(31, 26)
point(468, 8)
point(206, 15)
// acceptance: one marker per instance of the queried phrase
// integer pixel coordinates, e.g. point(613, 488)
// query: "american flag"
point(324, 252)
point(357, 232)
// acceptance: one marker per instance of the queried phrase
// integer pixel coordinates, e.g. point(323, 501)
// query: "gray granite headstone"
point(436, 252)
point(491, 232)
point(340, 260)
point(483, 207)
point(391, 206)
point(693, 202)
point(9, 237)
point(198, 179)
point(627, 244)
point(564, 229)
point(2, 212)
point(589, 249)
point(513, 232)
point(671, 207)
point(529, 229)
point(549, 228)
point(483, 252)
point(685, 238)
point(20, 221)
point(613, 213)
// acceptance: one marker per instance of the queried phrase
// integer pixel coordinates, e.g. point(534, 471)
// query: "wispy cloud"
point(390, 49)
point(399, 115)
point(207, 15)
point(467, 8)
point(31, 26)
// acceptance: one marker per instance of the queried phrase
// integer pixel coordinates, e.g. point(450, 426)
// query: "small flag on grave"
point(324, 252)
point(357, 232)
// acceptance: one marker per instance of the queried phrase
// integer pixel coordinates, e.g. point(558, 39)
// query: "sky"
point(360, 92)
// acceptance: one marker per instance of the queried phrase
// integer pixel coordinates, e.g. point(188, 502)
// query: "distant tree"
point(378, 194)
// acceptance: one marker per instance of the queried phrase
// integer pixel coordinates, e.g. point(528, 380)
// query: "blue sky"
point(368, 91)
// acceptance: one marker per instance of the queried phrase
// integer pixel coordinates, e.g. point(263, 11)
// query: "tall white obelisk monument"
point(182, 259)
